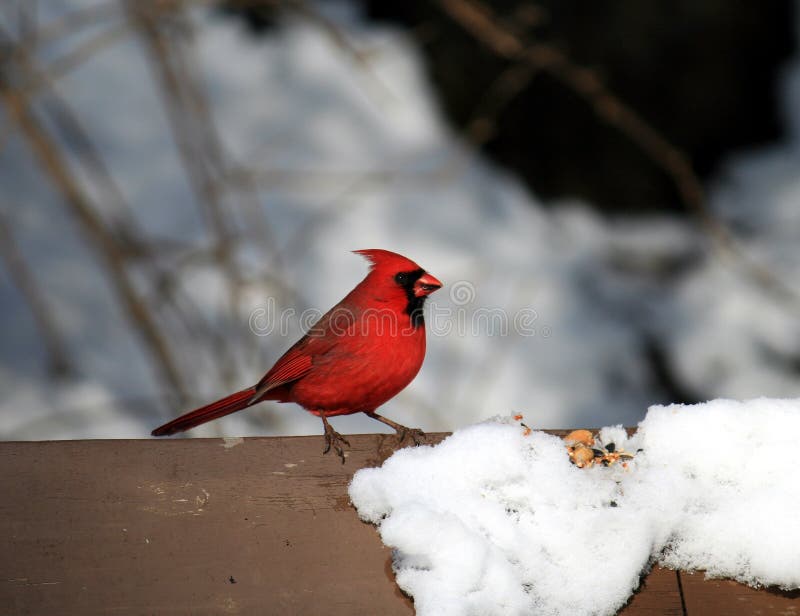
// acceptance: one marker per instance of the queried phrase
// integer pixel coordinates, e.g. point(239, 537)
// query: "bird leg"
point(416, 435)
point(333, 439)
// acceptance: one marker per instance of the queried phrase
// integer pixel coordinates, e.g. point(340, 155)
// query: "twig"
point(191, 126)
point(48, 152)
point(59, 362)
point(86, 50)
point(66, 25)
point(505, 88)
point(340, 38)
point(476, 18)
point(124, 230)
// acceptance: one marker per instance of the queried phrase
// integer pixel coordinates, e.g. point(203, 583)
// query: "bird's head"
point(393, 277)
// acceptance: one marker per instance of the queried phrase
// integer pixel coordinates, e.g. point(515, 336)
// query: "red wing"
point(299, 360)
point(294, 364)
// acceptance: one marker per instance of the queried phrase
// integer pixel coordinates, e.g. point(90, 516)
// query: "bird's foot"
point(415, 434)
point(403, 433)
point(335, 441)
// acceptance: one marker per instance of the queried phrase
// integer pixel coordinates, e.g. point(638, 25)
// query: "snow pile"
point(492, 521)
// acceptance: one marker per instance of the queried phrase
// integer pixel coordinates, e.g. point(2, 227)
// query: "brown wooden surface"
point(726, 597)
point(658, 595)
point(236, 526)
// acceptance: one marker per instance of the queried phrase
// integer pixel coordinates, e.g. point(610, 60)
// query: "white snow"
point(492, 521)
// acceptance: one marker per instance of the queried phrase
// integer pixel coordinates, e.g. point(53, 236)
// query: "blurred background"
point(610, 192)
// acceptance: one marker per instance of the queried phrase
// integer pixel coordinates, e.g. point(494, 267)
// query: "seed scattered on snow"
point(582, 437)
point(585, 451)
point(582, 456)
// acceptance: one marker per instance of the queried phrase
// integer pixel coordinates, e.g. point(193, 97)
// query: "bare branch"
point(198, 144)
point(505, 88)
point(340, 38)
point(86, 50)
point(66, 25)
point(478, 19)
point(58, 358)
point(48, 152)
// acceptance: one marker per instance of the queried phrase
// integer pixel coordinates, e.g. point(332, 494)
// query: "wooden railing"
point(229, 526)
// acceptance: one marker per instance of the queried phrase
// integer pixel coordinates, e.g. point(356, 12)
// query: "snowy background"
point(134, 271)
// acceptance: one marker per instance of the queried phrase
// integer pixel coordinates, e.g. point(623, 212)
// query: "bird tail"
point(230, 404)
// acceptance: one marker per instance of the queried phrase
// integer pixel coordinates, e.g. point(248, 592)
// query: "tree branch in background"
point(173, 321)
point(478, 19)
point(47, 150)
point(194, 132)
point(503, 90)
point(128, 237)
point(82, 52)
point(335, 33)
point(31, 38)
point(59, 364)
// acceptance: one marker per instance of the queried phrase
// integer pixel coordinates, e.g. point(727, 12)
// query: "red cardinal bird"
point(360, 354)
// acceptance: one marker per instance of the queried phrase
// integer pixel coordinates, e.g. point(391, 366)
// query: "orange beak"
point(425, 285)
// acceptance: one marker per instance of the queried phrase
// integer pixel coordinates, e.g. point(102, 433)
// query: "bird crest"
point(380, 258)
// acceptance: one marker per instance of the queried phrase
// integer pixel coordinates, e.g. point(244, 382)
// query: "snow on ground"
point(492, 521)
point(543, 308)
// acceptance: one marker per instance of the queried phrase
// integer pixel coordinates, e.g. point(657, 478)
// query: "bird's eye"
point(401, 278)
